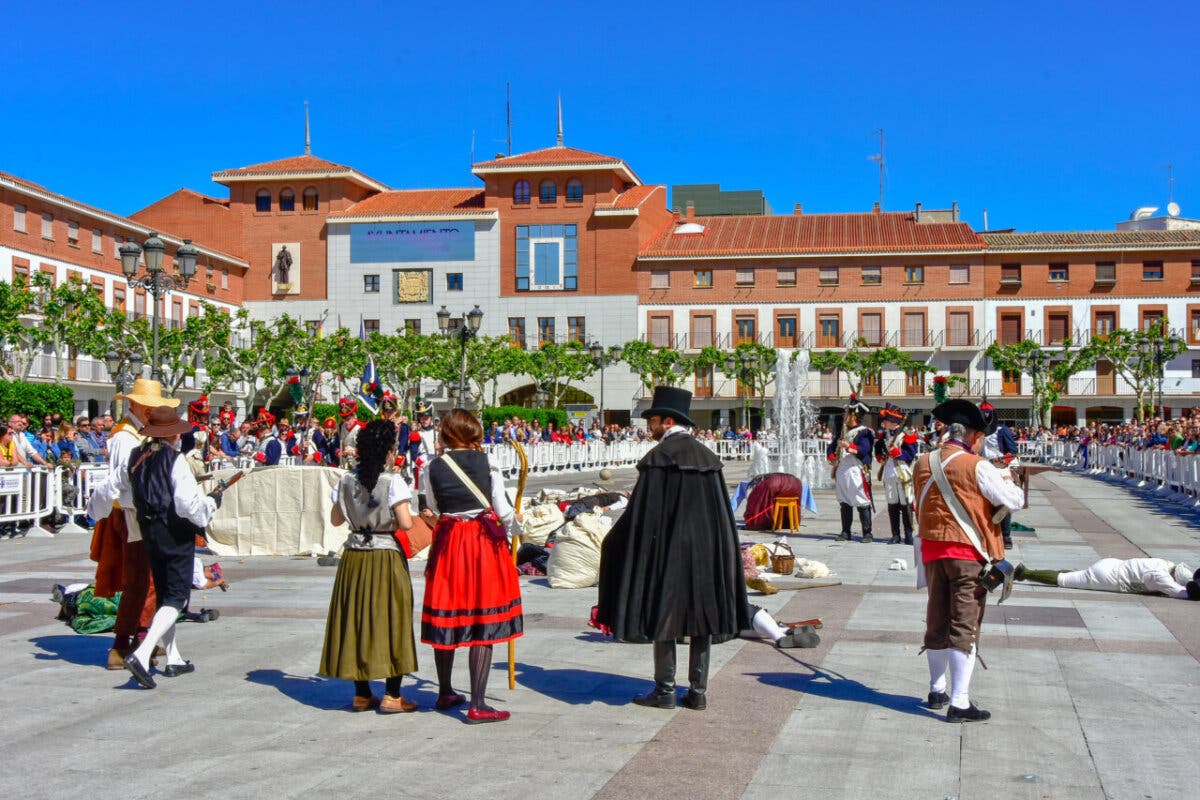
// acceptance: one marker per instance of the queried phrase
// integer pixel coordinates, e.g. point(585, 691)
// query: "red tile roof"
point(1090, 240)
point(806, 234)
point(633, 197)
point(551, 157)
point(417, 202)
point(296, 165)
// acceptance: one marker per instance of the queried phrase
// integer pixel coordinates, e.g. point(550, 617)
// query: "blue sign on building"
point(404, 242)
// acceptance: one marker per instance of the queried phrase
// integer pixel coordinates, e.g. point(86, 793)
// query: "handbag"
point(415, 539)
point(488, 518)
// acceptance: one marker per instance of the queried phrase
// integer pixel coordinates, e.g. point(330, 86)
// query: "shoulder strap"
point(470, 484)
point(954, 504)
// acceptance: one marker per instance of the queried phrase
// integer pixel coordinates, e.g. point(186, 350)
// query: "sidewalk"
point(1093, 695)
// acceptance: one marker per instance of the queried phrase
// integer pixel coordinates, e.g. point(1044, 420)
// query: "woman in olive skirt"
point(369, 632)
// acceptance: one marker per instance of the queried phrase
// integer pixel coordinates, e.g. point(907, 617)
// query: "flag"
point(368, 387)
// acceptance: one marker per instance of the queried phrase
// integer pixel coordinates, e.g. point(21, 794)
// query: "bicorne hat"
point(892, 412)
point(962, 412)
point(857, 406)
point(673, 402)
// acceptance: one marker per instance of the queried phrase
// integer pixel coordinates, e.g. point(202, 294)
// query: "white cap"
point(1182, 573)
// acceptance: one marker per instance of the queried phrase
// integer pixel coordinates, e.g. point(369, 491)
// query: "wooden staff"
point(516, 545)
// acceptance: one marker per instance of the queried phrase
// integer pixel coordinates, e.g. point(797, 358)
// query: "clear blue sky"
point(1053, 116)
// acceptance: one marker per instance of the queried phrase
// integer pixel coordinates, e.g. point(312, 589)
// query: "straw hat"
point(148, 393)
point(163, 423)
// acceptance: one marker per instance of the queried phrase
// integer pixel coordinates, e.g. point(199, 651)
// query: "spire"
point(307, 133)
point(559, 139)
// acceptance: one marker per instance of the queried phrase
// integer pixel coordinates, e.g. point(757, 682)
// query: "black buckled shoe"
point(968, 714)
point(843, 537)
point(175, 670)
point(696, 701)
point(894, 540)
point(139, 672)
point(938, 700)
point(868, 538)
point(656, 699)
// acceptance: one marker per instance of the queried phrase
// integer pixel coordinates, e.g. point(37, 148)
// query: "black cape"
point(671, 565)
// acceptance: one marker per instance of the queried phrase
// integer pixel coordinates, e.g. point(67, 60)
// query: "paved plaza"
point(1094, 695)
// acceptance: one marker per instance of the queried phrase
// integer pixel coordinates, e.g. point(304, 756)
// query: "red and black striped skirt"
point(472, 595)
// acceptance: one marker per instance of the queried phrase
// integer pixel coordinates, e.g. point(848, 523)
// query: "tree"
point(1049, 370)
point(553, 366)
point(657, 366)
point(182, 351)
point(1137, 356)
point(860, 362)
point(257, 352)
point(36, 314)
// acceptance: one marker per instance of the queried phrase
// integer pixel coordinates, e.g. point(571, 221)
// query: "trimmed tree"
point(1137, 356)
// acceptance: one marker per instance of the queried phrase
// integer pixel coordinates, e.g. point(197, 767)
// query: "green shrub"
point(543, 415)
point(323, 410)
point(36, 400)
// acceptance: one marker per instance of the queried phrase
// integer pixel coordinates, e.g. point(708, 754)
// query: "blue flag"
point(368, 387)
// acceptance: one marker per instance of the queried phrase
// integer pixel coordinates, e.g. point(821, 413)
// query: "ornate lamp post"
point(123, 367)
point(1158, 367)
point(602, 358)
point(468, 329)
point(155, 281)
point(742, 366)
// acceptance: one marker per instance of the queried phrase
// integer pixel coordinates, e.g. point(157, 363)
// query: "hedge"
point(35, 399)
point(542, 415)
point(323, 410)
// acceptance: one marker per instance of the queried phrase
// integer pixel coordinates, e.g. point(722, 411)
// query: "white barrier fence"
point(28, 495)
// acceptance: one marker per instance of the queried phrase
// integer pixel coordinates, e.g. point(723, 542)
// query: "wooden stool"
point(787, 508)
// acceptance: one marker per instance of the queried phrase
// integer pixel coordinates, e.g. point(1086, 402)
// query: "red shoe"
point(475, 716)
point(445, 702)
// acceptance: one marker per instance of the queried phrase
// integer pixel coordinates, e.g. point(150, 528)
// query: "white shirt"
point(398, 491)
point(996, 489)
point(106, 492)
point(190, 503)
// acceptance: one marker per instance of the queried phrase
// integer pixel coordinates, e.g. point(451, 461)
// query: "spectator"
point(26, 453)
point(93, 444)
point(66, 443)
point(8, 448)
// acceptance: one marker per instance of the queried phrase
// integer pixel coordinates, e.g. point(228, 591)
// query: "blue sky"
point(1053, 116)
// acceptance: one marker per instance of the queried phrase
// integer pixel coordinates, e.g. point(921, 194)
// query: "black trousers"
point(170, 553)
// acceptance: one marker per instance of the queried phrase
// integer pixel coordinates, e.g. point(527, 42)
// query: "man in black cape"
point(671, 567)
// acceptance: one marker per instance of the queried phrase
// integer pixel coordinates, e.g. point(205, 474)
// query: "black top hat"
point(960, 411)
point(673, 402)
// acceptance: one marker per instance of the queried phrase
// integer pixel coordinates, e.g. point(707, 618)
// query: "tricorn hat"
point(671, 401)
point(960, 411)
point(163, 423)
point(149, 394)
point(892, 412)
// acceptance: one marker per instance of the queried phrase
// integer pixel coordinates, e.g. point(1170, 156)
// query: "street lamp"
point(602, 359)
point(123, 368)
point(157, 282)
point(1158, 366)
point(743, 364)
point(468, 329)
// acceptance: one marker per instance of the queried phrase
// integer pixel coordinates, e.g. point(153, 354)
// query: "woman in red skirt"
point(472, 596)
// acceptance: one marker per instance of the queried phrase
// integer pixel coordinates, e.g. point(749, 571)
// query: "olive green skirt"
point(369, 632)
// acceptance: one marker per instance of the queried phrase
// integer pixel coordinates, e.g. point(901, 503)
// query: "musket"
point(225, 483)
point(522, 476)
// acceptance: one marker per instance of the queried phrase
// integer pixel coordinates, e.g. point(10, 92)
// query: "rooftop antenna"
point(1170, 183)
point(559, 139)
point(879, 158)
point(307, 133)
point(472, 149)
point(508, 115)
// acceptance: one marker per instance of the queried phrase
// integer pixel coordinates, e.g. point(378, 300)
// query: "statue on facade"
point(283, 265)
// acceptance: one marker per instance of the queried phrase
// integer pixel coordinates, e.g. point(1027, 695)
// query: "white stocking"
point(766, 626)
point(162, 626)
point(961, 667)
point(939, 662)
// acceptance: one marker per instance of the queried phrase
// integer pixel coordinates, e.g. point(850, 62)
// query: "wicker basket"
point(783, 561)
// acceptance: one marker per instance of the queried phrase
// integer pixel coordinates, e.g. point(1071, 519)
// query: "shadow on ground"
point(74, 648)
point(332, 694)
point(835, 686)
point(579, 686)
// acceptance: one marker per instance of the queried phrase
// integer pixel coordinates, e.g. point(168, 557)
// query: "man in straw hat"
point(671, 565)
point(117, 547)
point(953, 563)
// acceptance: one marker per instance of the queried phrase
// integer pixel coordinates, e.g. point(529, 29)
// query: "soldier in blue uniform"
point(896, 450)
point(851, 453)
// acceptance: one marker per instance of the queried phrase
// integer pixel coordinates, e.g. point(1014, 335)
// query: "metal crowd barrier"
point(1172, 475)
point(28, 494)
point(545, 457)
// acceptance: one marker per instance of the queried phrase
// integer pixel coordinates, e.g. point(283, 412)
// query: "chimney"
point(691, 209)
point(798, 209)
point(985, 222)
point(954, 211)
point(917, 213)
point(875, 208)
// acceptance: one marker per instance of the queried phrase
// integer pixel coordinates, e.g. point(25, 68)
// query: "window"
point(576, 329)
point(830, 331)
point(310, 199)
point(1196, 367)
point(118, 298)
point(516, 331)
point(1106, 322)
point(1106, 272)
point(1195, 271)
point(547, 191)
point(747, 329)
point(1057, 328)
point(312, 327)
point(913, 330)
point(702, 331)
point(287, 200)
point(412, 327)
point(785, 276)
point(872, 276)
point(871, 383)
point(702, 279)
point(744, 277)
point(1059, 273)
point(547, 258)
point(47, 226)
point(73, 233)
point(454, 281)
point(960, 329)
point(914, 274)
point(19, 218)
point(574, 191)
point(787, 332)
point(660, 279)
point(1151, 270)
point(370, 326)
point(959, 366)
point(139, 305)
point(1153, 319)
point(521, 193)
point(1010, 274)
point(371, 284)
point(116, 246)
point(545, 330)
point(828, 276)
point(914, 381)
point(97, 241)
point(1194, 324)
point(1010, 329)
point(262, 200)
point(960, 273)
point(660, 330)
point(225, 278)
point(830, 383)
point(704, 381)
point(872, 329)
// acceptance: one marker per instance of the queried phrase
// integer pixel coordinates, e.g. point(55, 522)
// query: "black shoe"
point(803, 637)
point(908, 538)
point(968, 714)
point(868, 538)
point(696, 701)
point(938, 700)
point(139, 672)
point(1019, 572)
point(175, 670)
point(210, 614)
point(656, 699)
point(844, 536)
point(894, 540)
point(1008, 543)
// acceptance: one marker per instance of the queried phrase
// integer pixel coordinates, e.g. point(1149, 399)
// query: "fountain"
point(794, 418)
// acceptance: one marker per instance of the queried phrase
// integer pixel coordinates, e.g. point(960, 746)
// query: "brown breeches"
point(956, 602)
point(138, 601)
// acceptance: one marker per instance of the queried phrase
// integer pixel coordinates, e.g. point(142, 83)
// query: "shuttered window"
point(1010, 329)
point(872, 329)
point(960, 329)
point(660, 331)
point(914, 329)
point(702, 331)
point(1057, 325)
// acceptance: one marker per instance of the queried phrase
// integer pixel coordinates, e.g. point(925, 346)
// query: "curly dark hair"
point(375, 441)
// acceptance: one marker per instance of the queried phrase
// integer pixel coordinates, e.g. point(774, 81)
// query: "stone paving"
point(1093, 694)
